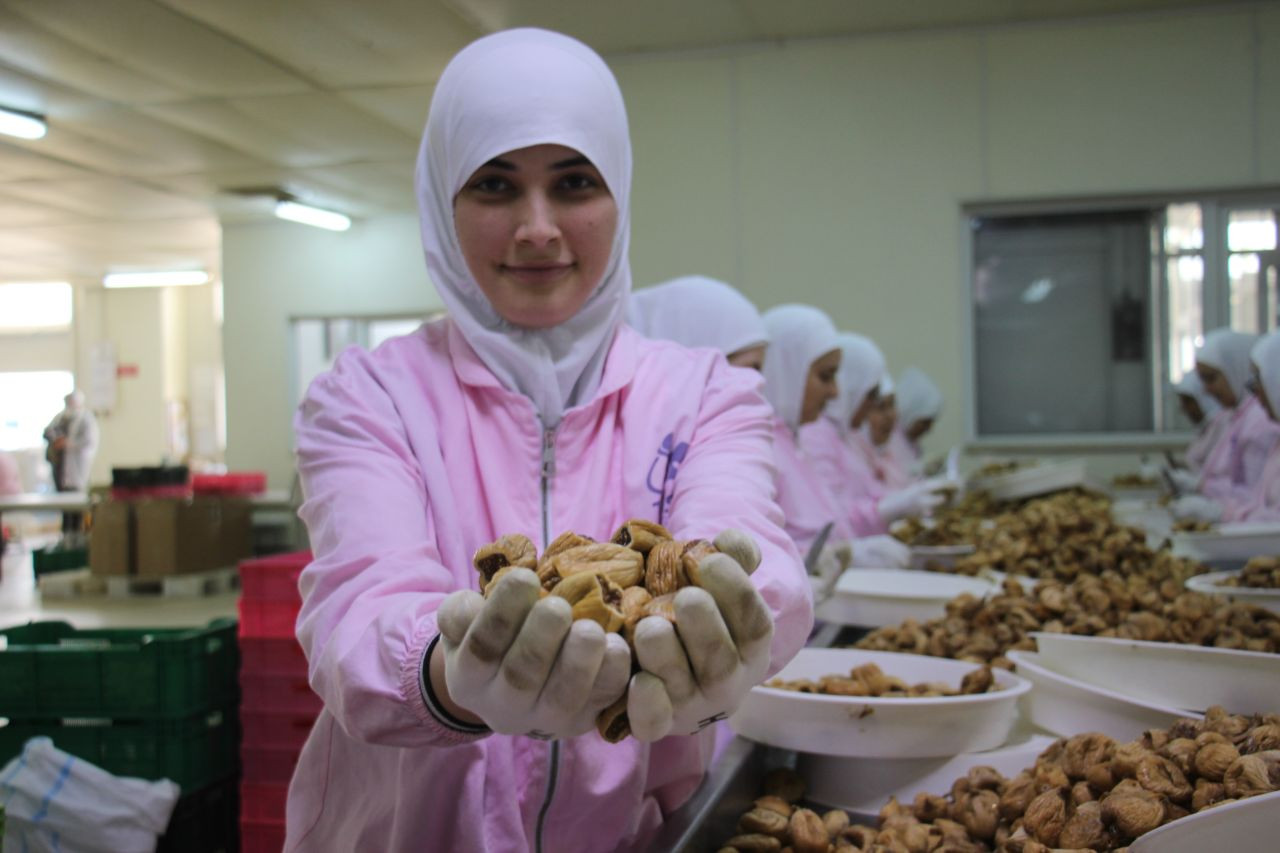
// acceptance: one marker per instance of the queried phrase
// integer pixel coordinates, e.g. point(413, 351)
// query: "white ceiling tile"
point(21, 163)
point(240, 129)
point(338, 43)
point(165, 45)
point(23, 91)
point(404, 107)
point(107, 198)
point(319, 121)
point(18, 212)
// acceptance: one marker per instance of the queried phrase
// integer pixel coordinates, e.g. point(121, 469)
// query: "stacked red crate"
point(277, 706)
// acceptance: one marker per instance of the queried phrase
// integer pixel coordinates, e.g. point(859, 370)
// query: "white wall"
point(278, 271)
point(832, 172)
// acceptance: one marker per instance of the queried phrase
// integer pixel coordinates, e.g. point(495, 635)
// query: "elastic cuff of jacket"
point(433, 702)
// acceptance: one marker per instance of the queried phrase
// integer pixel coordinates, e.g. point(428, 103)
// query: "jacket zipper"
point(548, 471)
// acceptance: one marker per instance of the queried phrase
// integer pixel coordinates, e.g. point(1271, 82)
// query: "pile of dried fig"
point(1085, 793)
point(1107, 605)
point(869, 680)
point(1260, 572)
point(615, 584)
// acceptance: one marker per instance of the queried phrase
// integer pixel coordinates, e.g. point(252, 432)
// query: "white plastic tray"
point(871, 598)
point(869, 727)
point(1230, 543)
point(863, 785)
point(1149, 516)
point(1211, 584)
point(943, 555)
point(1245, 825)
point(1040, 479)
point(1168, 674)
point(1067, 706)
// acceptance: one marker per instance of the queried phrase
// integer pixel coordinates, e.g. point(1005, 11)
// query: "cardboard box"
point(111, 538)
point(185, 535)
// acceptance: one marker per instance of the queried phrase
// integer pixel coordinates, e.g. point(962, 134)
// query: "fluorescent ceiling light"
point(170, 278)
point(21, 124)
point(308, 215)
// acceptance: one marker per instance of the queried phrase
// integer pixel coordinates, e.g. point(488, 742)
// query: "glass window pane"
point(1251, 231)
point(381, 330)
point(1186, 313)
point(1184, 228)
point(1244, 271)
point(35, 306)
point(32, 399)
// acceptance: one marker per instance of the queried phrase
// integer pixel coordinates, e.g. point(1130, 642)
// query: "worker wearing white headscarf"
point(696, 311)
point(456, 721)
point(800, 336)
point(1234, 465)
point(1205, 413)
point(844, 454)
point(919, 404)
point(1262, 503)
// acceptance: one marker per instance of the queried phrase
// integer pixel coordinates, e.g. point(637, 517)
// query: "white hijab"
point(798, 336)
point(918, 397)
point(512, 90)
point(1228, 351)
point(862, 368)
point(697, 311)
point(1192, 387)
point(1266, 354)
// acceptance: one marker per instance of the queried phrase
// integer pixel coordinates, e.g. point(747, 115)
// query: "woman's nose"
point(538, 225)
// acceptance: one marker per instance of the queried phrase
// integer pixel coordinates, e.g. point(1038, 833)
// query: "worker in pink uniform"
point(919, 404)
point(841, 450)
point(1235, 464)
point(457, 722)
point(696, 311)
point(1206, 415)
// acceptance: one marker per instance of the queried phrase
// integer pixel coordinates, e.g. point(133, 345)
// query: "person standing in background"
point(73, 440)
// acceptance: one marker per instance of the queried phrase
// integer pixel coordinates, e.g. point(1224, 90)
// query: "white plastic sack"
point(57, 802)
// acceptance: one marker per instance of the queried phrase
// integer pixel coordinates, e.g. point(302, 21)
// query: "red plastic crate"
point(273, 578)
point(260, 765)
point(274, 655)
point(231, 483)
point(262, 803)
point(261, 836)
point(267, 619)
point(278, 694)
point(275, 731)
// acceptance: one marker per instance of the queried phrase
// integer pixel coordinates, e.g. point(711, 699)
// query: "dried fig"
point(808, 833)
point(664, 568)
point(640, 535)
point(1133, 813)
point(512, 550)
point(1253, 774)
point(1213, 760)
point(765, 822)
point(1085, 829)
point(1045, 817)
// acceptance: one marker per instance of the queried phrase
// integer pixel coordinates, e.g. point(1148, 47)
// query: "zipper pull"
point(548, 454)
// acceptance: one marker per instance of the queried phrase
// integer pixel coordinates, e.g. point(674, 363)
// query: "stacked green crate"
point(150, 703)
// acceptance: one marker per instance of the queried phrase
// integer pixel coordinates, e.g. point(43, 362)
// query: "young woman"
point(696, 311)
point(1263, 502)
point(1206, 414)
point(1234, 465)
point(456, 722)
point(840, 449)
point(919, 405)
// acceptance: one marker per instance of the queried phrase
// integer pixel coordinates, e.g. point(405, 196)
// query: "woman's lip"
point(537, 273)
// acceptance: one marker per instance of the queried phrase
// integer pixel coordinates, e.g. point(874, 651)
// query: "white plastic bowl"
point(1230, 543)
point(870, 727)
point(944, 555)
point(1211, 584)
point(1067, 706)
point(1168, 674)
point(1245, 825)
point(863, 785)
point(1040, 479)
point(871, 598)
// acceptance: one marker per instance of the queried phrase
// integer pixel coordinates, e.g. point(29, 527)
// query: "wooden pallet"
point(77, 583)
point(194, 585)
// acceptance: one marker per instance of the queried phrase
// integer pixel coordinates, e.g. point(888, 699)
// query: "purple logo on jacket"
point(673, 454)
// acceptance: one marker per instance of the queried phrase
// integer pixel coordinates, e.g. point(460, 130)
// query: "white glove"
point(880, 552)
point(832, 562)
point(523, 666)
point(915, 500)
point(1183, 479)
point(1196, 508)
point(695, 672)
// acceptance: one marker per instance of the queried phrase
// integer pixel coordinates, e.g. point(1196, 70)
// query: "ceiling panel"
point(19, 212)
point(22, 91)
point(404, 107)
point(19, 164)
point(342, 44)
point(322, 122)
point(160, 43)
point(107, 198)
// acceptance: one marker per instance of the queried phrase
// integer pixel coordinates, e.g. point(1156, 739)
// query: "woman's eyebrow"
point(571, 163)
point(499, 163)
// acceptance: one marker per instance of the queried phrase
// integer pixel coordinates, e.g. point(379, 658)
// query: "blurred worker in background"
point(919, 405)
point(1205, 414)
point(72, 438)
point(697, 311)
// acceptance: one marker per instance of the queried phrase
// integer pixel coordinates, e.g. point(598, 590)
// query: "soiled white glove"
point(1196, 508)
point(831, 563)
point(697, 673)
point(1183, 479)
point(523, 666)
point(916, 500)
point(880, 552)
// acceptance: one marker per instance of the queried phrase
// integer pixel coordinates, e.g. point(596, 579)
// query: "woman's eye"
point(491, 185)
point(578, 182)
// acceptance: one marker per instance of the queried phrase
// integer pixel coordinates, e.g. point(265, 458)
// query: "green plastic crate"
point(51, 670)
point(195, 751)
point(47, 561)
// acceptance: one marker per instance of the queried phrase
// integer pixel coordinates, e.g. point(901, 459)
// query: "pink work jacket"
point(1264, 503)
point(850, 481)
point(806, 502)
point(1202, 445)
point(1235, 464)
point(412, 457)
